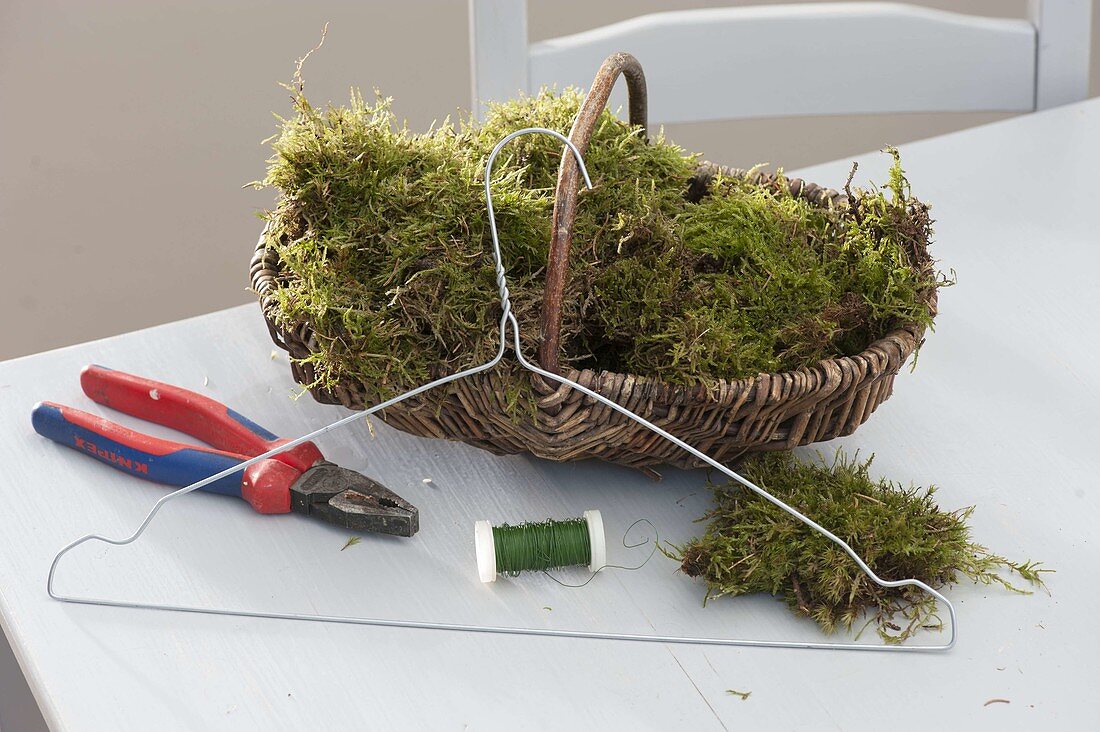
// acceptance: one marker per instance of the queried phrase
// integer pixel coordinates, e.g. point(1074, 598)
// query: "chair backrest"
point(791, 60)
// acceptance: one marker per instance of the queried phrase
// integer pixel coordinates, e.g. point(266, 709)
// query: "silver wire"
point(507, 318)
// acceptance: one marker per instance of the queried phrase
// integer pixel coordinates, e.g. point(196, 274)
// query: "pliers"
point(298, 479)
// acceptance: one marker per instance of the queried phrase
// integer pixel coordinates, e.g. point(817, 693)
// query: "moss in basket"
point(385, 251)
point(750, 545)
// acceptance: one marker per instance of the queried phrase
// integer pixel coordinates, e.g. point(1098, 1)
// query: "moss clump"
point(385, 251)
point(761, 280)
point(750, 545)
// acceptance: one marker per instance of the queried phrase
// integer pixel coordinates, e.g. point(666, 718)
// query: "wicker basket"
point(768, 412)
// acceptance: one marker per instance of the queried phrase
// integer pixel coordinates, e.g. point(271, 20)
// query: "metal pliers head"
point(352, 501)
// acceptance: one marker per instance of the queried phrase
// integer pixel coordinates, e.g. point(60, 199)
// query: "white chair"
point(790, 60)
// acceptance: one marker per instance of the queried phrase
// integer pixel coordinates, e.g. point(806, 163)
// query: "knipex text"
point(111, 457)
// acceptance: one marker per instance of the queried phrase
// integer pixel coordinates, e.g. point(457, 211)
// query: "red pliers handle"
point(192, 414)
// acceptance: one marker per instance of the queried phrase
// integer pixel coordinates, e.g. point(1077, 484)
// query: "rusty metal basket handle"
point(565, 196)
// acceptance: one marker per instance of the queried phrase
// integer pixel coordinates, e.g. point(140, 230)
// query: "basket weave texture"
point(725, 419)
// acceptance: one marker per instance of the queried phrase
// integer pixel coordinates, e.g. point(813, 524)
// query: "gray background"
point(128, 127)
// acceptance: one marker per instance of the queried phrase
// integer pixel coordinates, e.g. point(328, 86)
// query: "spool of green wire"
point(539, 546)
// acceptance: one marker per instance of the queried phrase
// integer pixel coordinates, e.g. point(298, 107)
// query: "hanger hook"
point(502, 282)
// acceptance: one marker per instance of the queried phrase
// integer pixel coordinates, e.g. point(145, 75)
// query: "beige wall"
point(127, 128)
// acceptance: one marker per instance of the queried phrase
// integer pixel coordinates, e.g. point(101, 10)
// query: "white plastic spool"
point(485, 546)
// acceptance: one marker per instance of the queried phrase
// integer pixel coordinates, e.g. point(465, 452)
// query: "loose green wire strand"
point(541, 546)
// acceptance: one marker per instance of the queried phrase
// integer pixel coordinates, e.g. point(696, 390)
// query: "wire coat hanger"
point(507, 319)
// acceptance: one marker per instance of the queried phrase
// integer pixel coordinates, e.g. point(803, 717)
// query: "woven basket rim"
point(900, 342)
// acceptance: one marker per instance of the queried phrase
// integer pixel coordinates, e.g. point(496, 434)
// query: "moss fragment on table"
point(751, 545)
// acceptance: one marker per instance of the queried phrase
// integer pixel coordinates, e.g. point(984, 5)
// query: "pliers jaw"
point(353, 501)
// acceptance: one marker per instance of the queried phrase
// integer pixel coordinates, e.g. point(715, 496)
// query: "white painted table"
point(1001, 412)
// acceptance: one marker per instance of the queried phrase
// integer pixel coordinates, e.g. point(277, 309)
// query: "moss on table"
point(751, 545)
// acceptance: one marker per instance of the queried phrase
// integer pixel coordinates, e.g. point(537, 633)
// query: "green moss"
point(385, 251)
point(381, 234)
point(638, 186)
point(750, 545)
